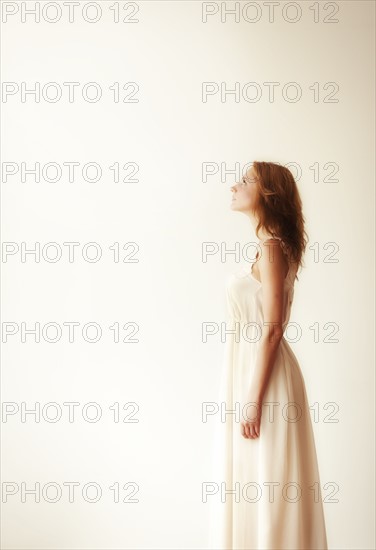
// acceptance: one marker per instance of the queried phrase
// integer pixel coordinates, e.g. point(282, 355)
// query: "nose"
point(233, 187)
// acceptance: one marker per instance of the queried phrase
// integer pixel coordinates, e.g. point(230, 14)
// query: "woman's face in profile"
point(244, 192)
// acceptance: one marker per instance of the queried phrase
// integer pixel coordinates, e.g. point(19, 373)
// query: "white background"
point(170, 211)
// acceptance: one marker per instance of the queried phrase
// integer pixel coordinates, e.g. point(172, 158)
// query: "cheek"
point(247, 196)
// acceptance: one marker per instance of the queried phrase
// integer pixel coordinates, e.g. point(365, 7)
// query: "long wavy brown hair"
point(279, 207)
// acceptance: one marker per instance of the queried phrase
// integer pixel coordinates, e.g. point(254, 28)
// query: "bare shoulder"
point(271, 243)
point(273, 260)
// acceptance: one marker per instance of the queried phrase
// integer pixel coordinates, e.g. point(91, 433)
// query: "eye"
point(244, 182)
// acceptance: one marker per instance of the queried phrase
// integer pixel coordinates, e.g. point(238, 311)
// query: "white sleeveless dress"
point(266, 492)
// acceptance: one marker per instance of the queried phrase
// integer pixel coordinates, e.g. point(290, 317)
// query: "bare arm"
point(272, 267)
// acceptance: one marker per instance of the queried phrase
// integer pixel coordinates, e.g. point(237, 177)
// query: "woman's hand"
point(251, 418)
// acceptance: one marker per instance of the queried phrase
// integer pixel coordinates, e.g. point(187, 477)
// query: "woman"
point(268, 493)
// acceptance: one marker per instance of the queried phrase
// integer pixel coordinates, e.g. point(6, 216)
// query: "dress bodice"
point(244, 294)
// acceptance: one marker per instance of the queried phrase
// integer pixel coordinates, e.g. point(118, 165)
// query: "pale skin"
point(270, 269)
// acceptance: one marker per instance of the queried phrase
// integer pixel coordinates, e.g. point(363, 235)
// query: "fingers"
point(242, 429)
point(247, 430)
point(250, 430)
